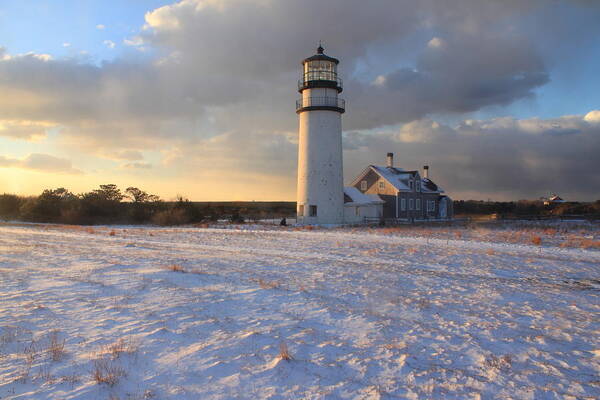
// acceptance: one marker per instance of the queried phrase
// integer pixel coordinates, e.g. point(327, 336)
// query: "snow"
point(365, 314)
point(360, 198)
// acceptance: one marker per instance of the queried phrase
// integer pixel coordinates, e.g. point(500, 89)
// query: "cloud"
point(137, 165)
point(216, 87)
point(100, 27)
point(26, 130)
point(109, 43)
point(500, 158)
point(66, 44)
point(593, 117)
point(135, 41)
point(40, 162)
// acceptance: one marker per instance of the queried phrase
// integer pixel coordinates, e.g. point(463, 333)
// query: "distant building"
point(553, 199)
point(405, 193)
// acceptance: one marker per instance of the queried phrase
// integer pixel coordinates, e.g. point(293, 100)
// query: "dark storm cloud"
point(502, 158)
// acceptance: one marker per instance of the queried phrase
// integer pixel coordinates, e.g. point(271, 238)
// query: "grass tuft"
point(176, 268)
point(56, 347)
point(284, 352)
point(107, 372)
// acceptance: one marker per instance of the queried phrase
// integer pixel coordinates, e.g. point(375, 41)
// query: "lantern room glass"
point(320, 70)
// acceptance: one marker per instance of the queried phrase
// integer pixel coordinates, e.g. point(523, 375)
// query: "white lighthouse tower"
point(320, 198)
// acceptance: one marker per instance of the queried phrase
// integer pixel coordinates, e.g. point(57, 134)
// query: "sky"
point(197, 97)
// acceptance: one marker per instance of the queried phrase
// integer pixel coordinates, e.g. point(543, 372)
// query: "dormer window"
point(410, 185)
point(363, 185)
point(418, 184)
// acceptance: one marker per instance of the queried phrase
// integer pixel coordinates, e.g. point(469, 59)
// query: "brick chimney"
point(426, 171)
point(390, 160)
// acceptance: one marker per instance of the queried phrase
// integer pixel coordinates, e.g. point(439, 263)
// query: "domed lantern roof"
point(320, 56)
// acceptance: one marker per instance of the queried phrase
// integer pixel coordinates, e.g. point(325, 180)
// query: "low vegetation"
point(109, 205)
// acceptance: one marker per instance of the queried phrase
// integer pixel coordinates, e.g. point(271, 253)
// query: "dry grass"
point(71, 379)
point(284, 352)
point(536, 240)
point(490, 252)
point(107, 371)
point(56, 347)
point(581, 243)
point(501, 363)
point(268, 284)
point(176, 268)
point(121, 346)
point(31, 352)
point(112, 233)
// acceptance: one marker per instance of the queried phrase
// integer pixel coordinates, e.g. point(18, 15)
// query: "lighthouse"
point(320, 195)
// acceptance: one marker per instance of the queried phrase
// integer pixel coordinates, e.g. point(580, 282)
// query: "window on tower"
point(312, 211)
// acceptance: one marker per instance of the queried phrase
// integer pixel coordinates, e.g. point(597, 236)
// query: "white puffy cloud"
point(593, 117)
point(109, 43)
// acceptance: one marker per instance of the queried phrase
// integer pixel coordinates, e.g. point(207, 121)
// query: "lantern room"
point(320, 70)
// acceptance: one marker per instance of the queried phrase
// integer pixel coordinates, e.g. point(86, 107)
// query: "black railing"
point(320, 76)
point(334, 103)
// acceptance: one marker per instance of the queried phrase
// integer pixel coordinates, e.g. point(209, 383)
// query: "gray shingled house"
point(407, 194)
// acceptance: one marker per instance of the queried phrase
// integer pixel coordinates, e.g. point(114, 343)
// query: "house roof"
point(353, 196)
point(398, 178)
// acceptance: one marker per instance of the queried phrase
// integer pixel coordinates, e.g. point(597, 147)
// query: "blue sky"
point(44, 26)
point(166, 93)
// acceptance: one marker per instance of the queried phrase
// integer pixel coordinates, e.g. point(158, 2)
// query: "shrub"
point(174, 216)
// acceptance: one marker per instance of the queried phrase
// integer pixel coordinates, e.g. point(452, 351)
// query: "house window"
point(410, 185)
point(363, 185)
point(418, 184)
point(418, 204)
point(357, 211)
point(411, 204)
point(431, 205)
point(312, 211)
point(301, 210)
point(403, 204)
point(381, 185)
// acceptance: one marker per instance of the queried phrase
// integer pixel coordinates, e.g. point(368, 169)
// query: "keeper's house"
point(405, 194)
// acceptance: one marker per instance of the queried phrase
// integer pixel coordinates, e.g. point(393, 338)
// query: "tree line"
point(525, 208)
point(109, 205)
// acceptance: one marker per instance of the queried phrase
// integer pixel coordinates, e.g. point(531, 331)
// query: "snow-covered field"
point(188, 313)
